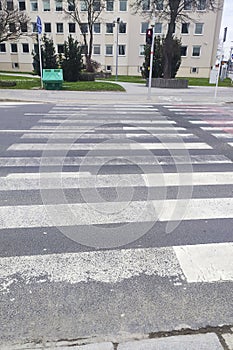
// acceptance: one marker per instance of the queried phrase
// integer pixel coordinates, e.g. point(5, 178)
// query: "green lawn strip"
point(30, 83)
point(205, 82)
point(92, 86)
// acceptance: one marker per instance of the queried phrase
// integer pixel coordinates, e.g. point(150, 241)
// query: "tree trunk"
point(168, 51)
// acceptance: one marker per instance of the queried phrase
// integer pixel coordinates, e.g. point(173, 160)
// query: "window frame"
point(49, 25)
point(196, 46)
point(70, 25)
point(61, 25)
point(108, 46)
point(96, 46)
point(123, 5)
point(188, 28)
point(2, 48)
point(186, 50)
point(122, 46)
point(24, 45)
point(15, 46)
point(202, 27)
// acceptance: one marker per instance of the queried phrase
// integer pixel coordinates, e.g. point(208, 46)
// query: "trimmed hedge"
point(85, 76)
point(7, 83)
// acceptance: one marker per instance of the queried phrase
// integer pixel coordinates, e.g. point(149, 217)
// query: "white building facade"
point(199, 37)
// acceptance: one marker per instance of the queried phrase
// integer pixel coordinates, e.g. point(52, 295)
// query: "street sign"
point(39, 25)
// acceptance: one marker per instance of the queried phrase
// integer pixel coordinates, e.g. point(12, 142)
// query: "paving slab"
point(208, 341)
point(229, 340)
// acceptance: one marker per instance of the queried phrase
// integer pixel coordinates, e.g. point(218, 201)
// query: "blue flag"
point(39, 25)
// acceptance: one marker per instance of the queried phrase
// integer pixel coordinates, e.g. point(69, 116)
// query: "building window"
point(34, 27)
point(196, 51)
point(145, 5)
point(109, 5)
point(22, 6)
point(83, 5)
point(108, 50)
point(159, 5)
point(144, 27)
point(71, 6)
point(84, 28)
point(60, 48)
point(14, 48)
point(71, 27)
point(9, 5)
point(109, 28)
point(96, 49)
point(183, 51)
point(46, 5)
point(2, 47)
point(158, 28)
point(141, 50)
point(15, 65)
point(96, 28)
point(121, 50)
point(122, 5)
point(25, 48)
point(34, 5)
point(47, 27)
point(185, 28)
point(36, 48)
point(122, 28)
point(108, 68)
point(23, 27)
point(96, 6)
point(187, 5)
point(59, 27)
point(201, 5)
point(199, 28)
point(58, 5)
point(194, 70)
point(12, 27)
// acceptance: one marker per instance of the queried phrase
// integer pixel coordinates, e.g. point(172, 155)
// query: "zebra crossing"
point(105, 176)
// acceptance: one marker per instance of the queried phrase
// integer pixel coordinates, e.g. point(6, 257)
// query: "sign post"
point(151, 63)
point(220, 61)
point(39, 31)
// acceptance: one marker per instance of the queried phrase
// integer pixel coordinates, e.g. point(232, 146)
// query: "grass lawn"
point(34, 83)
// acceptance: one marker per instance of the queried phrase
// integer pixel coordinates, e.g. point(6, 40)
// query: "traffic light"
point(149, 35)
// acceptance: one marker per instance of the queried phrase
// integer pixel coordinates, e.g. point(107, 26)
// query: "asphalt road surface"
point(114, 219)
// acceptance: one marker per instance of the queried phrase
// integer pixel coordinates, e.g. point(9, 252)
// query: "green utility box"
point(52, 79)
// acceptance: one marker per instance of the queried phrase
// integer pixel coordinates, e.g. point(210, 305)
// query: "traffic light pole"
point(151, 64)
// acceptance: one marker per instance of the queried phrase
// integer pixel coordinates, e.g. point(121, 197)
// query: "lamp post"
point(118, 23)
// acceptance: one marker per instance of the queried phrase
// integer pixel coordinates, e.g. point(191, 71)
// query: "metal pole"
point(219, 68)
point(41, 82)
point(118, 21)
point(151, 64)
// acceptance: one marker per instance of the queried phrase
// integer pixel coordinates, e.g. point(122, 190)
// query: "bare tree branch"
point(85, 12)
point(11, 21)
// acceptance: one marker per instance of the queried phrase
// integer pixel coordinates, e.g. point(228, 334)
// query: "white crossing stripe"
point(108, 146)
point(106, 121)
point(187, 264)
point(214, 122)
point(206, 262)
point(33, 181)
point(216, 128)
point(25, 216)
point(114, 160)
point(73, 128)
point(70, 135)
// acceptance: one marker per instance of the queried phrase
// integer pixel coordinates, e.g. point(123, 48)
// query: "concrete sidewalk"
point(200, 341)
point(135, 93)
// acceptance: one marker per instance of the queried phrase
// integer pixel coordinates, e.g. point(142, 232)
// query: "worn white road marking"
point(108, 146)
point(188, 264)
point(32, 181)
point(110, 266)
point(70, 135)
point(106, 121)
point(112, 160)
point(214, 122)
point(206, 262)
point(115, 212)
